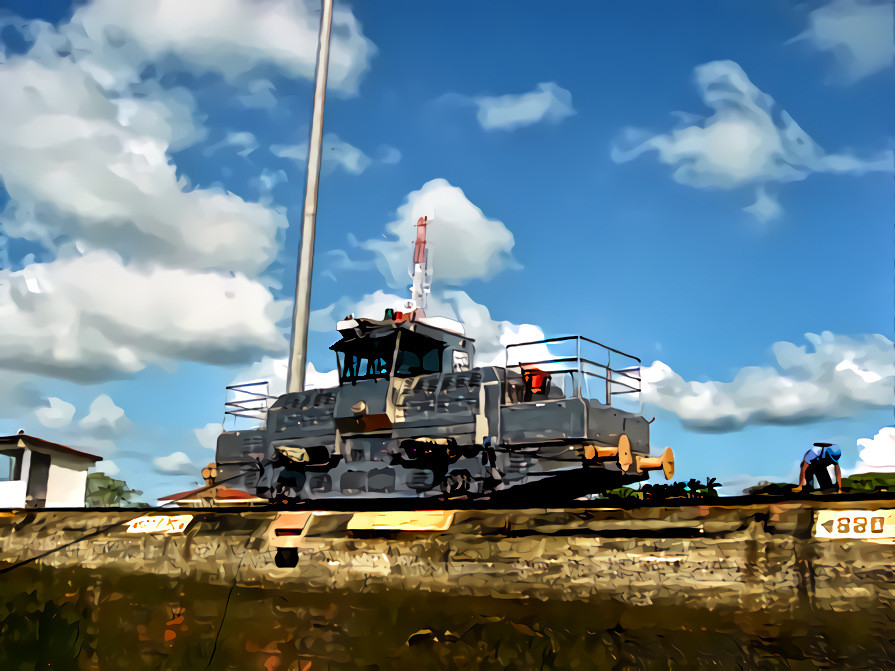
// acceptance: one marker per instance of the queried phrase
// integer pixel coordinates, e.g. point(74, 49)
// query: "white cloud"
point(260, 95)
point(878, 453)
point(106, 466)
point(208, 435)
point(336, 154)
point(837, 377)
point(318, 379)
point(20, 396)
point(97, 170)
point(371, 306)
point(229, 37)
point(244, 141)
point(176, 463)
point(859, 34)
point(389, 155)
point(464, 244)
point(548, 102)
point(97, 318)
point(491, 336)
point(765, 208)
point(57, 415)
point(748, 140)
point(105, 419)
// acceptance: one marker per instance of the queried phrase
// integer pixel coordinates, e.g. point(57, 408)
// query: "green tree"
point(106, 492)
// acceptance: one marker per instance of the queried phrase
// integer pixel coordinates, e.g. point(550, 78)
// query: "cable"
point(245, 551)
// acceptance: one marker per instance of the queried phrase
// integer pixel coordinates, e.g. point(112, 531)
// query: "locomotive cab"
point(400, 348)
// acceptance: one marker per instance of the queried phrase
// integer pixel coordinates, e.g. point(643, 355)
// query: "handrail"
point(566, 338)
point(242, 409)
point(569, 359)
point(627, 377)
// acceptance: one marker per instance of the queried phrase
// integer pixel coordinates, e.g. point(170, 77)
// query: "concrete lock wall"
point(750, 557)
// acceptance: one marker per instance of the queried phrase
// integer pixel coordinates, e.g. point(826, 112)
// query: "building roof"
point(31, 441)
point(217, 493)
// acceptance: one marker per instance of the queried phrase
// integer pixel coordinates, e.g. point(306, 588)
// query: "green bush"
point(106, 492)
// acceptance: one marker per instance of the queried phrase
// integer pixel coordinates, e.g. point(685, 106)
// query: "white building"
point(36, 473)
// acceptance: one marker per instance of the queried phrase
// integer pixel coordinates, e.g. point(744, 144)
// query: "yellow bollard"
point(665, 462)
point(603, 452)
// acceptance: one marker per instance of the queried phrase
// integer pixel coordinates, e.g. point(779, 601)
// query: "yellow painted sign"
point(416, 520)
point(868, 524)
point(159, 524)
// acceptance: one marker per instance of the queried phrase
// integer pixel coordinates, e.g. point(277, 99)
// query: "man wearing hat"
point(815, 464)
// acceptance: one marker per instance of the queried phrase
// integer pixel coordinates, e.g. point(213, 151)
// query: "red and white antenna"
point(422, 274)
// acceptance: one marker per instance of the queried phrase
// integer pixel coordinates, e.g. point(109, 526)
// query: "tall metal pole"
point(298, 351)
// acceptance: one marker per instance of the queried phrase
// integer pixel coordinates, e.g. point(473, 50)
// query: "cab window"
point(418, 355)
point(365, 359)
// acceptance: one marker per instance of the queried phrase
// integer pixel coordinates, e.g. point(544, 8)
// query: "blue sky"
point(707, 185)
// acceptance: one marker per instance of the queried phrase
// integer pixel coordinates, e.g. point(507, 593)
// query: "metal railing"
point(248, 402)
point(622, 379)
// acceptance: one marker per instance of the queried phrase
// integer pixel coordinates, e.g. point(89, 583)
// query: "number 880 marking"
point(876, 525)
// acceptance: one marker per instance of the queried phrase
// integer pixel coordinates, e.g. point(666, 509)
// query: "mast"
point(298, 350)
point(422, 274)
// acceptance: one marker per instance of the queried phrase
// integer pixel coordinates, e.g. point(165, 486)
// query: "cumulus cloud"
point(95, 318)
point(748, 140)
point(834, 376)
point(176, 463)
point(336, 154)
point(229, 37)
point(78, 164)
point(20, 396)
point(208, 435)
point(464, 244)
point(260, 95)
point(244, 141)
point(105, 419)
point(548, 102)
point(389, 155)
point(106, 466)
point(877, 453)
point(491, 336)
point(57, 414)
point(765, 208)
point(858, 33)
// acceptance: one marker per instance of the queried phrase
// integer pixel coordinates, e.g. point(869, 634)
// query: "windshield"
point(418, 355)
point(365, 359)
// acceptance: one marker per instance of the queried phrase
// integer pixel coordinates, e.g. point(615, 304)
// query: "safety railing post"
point(580, 379)
point(608, 377)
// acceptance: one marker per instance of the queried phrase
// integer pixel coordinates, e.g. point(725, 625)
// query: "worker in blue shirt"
point(815, 464)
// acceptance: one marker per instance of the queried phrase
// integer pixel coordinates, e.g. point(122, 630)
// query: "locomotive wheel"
point(456, 484)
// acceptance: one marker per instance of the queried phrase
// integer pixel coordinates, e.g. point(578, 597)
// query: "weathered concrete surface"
point(756, 557)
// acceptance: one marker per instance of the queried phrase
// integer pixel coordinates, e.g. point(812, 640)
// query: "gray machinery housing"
point(410, 418)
